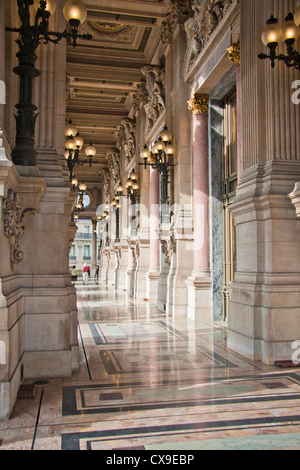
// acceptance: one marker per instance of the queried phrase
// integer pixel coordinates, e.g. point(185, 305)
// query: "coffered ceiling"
point(102, 73)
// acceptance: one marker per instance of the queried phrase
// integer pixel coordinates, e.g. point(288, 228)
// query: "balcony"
point(83, 236)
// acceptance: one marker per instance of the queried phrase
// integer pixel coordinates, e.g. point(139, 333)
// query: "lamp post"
point(73, 145)
point(132, 187)
point(273, 34)
point(116, 204)
point(30, 36)
point(161, 159)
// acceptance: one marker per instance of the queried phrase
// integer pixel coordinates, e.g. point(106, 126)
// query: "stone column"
point(154, 269)
point(179, 245)
point(200, 283)
point(263, 319)
point(94, 244)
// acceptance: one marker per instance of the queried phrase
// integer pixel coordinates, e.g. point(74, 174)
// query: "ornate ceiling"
point(102, 73)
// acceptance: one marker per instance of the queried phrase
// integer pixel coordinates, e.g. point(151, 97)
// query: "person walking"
point(97, 272)
point(85, 272)
point(74, 274)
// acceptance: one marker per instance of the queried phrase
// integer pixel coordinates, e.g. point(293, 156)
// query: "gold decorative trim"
point(198, 104)
point(234, 52)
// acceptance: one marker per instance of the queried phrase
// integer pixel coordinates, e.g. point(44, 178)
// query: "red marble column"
point(154, 220)
point(201, 189)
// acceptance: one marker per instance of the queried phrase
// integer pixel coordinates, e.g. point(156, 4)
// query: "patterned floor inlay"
point(148, 383)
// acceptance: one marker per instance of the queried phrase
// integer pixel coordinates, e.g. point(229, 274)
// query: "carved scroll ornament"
point(168, 248)
point(207, 17)
point(14, 219)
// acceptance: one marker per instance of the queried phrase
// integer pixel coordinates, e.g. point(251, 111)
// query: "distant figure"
point(89, 271)
point(85, 272)
point(74, 274)
point(97, 272)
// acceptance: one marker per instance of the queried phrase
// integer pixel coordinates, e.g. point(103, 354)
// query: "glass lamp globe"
point(272, 33)
point(133, 176)
point(50, 6)
point(145, 154)
point(170, 149)
point(75, 10)
point(166, 135)
point(90, 151)
point(78, 141)
point(70, 129)
point(290, 30)
point(70, 144)
point(135, 186)
point(120, 189)
point(74, 181)
point(82, 187)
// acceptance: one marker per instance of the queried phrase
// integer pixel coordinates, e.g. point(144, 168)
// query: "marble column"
point(154, 268)
point(179, 243)
point(200, 283)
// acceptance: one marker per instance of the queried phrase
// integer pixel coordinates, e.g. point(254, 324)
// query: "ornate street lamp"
point(73, 145)
point(273, 34)
point(161, 158)
point(132, 189)
point(116, 205)
point(30, 36)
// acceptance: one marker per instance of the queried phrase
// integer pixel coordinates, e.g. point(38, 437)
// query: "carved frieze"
point(140, 95)
point(155, 84)
point(168, 248)
point(113, 159)
point(13, 220)
point(129, 138)
point(179, 11)
point(207, 16)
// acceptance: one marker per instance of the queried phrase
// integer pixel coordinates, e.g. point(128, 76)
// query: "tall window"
point(229, 185)
point(86, 252)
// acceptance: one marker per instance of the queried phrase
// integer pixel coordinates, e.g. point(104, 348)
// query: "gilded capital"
point(198, 104)
point(234, 52)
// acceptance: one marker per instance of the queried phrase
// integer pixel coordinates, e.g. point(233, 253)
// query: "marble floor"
point(148, 382)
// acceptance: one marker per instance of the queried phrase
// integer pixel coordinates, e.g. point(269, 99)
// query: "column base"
point(152, 286)
point(199, 307)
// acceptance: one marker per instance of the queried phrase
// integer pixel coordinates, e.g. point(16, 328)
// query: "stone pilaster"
point(264, 296)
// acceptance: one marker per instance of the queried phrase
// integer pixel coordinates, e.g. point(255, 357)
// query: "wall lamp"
point(273, 34)
point(30, 36)
point(161, 158)
point(132, 187)
point(73, 145)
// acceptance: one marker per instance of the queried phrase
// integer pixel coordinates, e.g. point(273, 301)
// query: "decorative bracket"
point(14, 218)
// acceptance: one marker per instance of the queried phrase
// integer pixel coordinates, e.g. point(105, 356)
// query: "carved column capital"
point(198, 104)
point(234, 52)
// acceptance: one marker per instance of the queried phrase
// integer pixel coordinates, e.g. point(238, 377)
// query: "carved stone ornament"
point(168, 248)
point(113, 158)
point(208, 15)
point(14, 219)
point(234, 52)
point(155, 84)
point(179, 11)
point(128, 135)
point(198, 104)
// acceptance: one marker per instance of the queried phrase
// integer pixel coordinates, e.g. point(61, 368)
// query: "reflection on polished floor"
point(150, 382)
